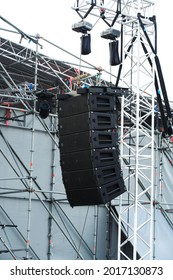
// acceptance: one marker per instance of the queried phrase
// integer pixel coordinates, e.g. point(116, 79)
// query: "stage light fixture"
point(45, 103)
point(44, 109)
point(110, 34)
point(82, 26)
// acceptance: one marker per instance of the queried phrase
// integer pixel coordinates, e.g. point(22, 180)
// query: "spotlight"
point(44, 109)
point(44, 104)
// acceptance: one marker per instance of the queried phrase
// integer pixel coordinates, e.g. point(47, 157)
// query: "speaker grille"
point(100, 195)
point(88, 141)
point(88, 159)
point(87, 121)
point(88, 102)
point(86, 178)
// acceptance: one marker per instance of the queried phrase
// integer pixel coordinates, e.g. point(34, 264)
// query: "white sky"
point(53, 20)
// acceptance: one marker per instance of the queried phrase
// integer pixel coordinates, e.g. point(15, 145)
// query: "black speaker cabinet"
point(96, 195)
point(90, 139)
point(87, 121)
point(89, 154)
point(91, 177)
point(88, 159)
point(86, 103)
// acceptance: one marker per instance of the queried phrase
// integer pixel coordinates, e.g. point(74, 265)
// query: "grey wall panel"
point(75, 227)
point(56, 230)
point(17, 211)
point(81, 224)
point(163, 241)
point(20, 141)
point(78, 232)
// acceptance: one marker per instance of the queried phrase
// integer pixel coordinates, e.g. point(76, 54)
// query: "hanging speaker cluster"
point(84, 27)
point(88, 141)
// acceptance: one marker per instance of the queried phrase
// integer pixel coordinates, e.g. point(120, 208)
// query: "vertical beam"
point(30, 184)
point(53, 172)
point(96, 212)
point(137, 154)
point(36, 64)
point(136, 191)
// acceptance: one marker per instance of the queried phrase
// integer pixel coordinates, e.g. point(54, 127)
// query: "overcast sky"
point(53, 20)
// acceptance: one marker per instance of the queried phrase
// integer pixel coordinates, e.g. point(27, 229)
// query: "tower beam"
point(137, 72)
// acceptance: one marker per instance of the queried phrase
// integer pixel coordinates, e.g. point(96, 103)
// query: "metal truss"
point(35, 71)
point(111, 8)
point(137, 118)
point(137, 138)
point(24, 72)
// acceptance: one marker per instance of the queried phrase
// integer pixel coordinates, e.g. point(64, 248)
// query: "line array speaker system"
point(88, 141)
point(87, 121)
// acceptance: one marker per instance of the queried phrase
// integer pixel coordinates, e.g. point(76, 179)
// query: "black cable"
point(145, 33)
point(160, 76)
point(163, 87)
point(155, 27)
point(89, 10)
point(159, 100)
point(87, 13)
point(115, 19)
point(119, 6)
point(128, 50)
point(118, 12)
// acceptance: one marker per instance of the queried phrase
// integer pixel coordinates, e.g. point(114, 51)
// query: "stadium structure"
point(43, 216)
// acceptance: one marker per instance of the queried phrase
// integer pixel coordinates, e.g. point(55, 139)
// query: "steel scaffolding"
point(138, 139)
point(25, 72)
